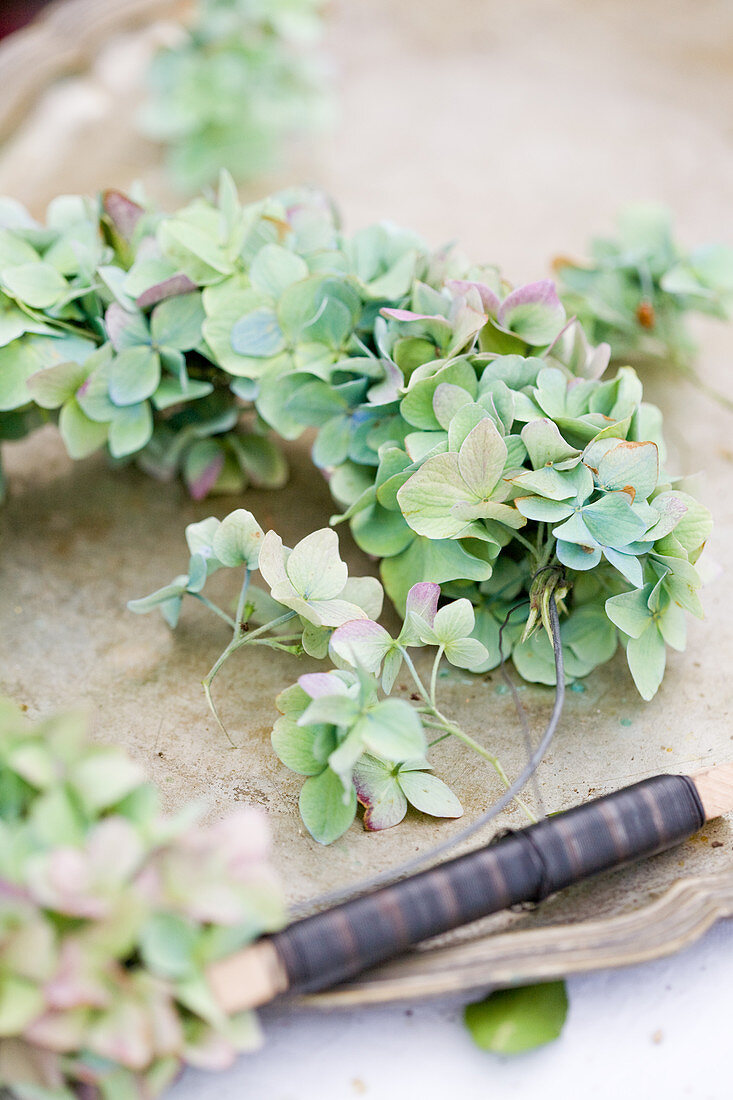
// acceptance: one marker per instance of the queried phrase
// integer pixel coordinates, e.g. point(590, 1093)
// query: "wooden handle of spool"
point(715, 788)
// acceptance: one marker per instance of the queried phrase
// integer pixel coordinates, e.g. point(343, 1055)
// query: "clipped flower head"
point(111, 914)
point(313, 581)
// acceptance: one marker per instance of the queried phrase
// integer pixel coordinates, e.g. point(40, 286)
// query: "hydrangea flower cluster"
point(110, 914)
point(243, 80)
point(636, 289)
point(338, 729)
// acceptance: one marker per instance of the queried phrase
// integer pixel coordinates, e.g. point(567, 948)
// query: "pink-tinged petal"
point(242, 837)
point(58, 1031)
point(489, 300)
point(542, 292)
point(122, 1035)
point(534, 312)
point(390, 388)
point(122, 212)
point(115, 850)
point(169, 288)
point(408, 315)
point(422, 600)
point(380, 794)
point(165, 1023)
point(361, 643)
point(318, 684)
point(62, 881)
point(74, 985)
point(201, 485)
point(116, 320)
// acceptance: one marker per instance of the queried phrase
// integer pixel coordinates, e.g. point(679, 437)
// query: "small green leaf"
point(262, 460)
point(467, 653)
point(694, 527)
point(392, 729)
point(104, 778)
point(172, 591)
point(177, 322)
point(51, 387)
point(634, 465)
point(237, 540)
point(274, 269)
point(130, 430)
point(315, 568)
point(481, 458)
point(327, 810)
point(38, 285)
point(331, 710)
point(168, 944)
point(134, 375)
point(297, 746)
point(512, 1021)
point(647, 658)
point(81, 435)
point(429, 794)
point(454, 621)
point(21, 1001)
point(630, 612)
point(170, 392)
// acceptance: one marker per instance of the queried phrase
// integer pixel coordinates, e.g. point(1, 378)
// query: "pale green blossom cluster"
point(110, 914)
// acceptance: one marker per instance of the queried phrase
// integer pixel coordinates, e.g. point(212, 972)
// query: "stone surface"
point(517, 131)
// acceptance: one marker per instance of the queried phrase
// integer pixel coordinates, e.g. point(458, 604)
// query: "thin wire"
point(385, 878)
point(519, 707)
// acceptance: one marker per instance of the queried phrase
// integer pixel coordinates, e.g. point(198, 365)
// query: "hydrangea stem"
point(431, 710)
point(213, 607)
point(434, 675)
point(239, 623)
point(241, 638)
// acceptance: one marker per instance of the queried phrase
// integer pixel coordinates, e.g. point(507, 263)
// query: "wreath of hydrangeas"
point(467, 430)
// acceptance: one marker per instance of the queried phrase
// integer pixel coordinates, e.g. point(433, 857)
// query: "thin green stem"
point(236, 643)
point(413, 672)
point(549, 551)
point(430, 710)
point(437, 740)
point(276, 643)
point(434, 675)
point(212, 707)
point(248, 637)
point(525, 543)
point(239, 622)
point(213, 607)
point(493, 760)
